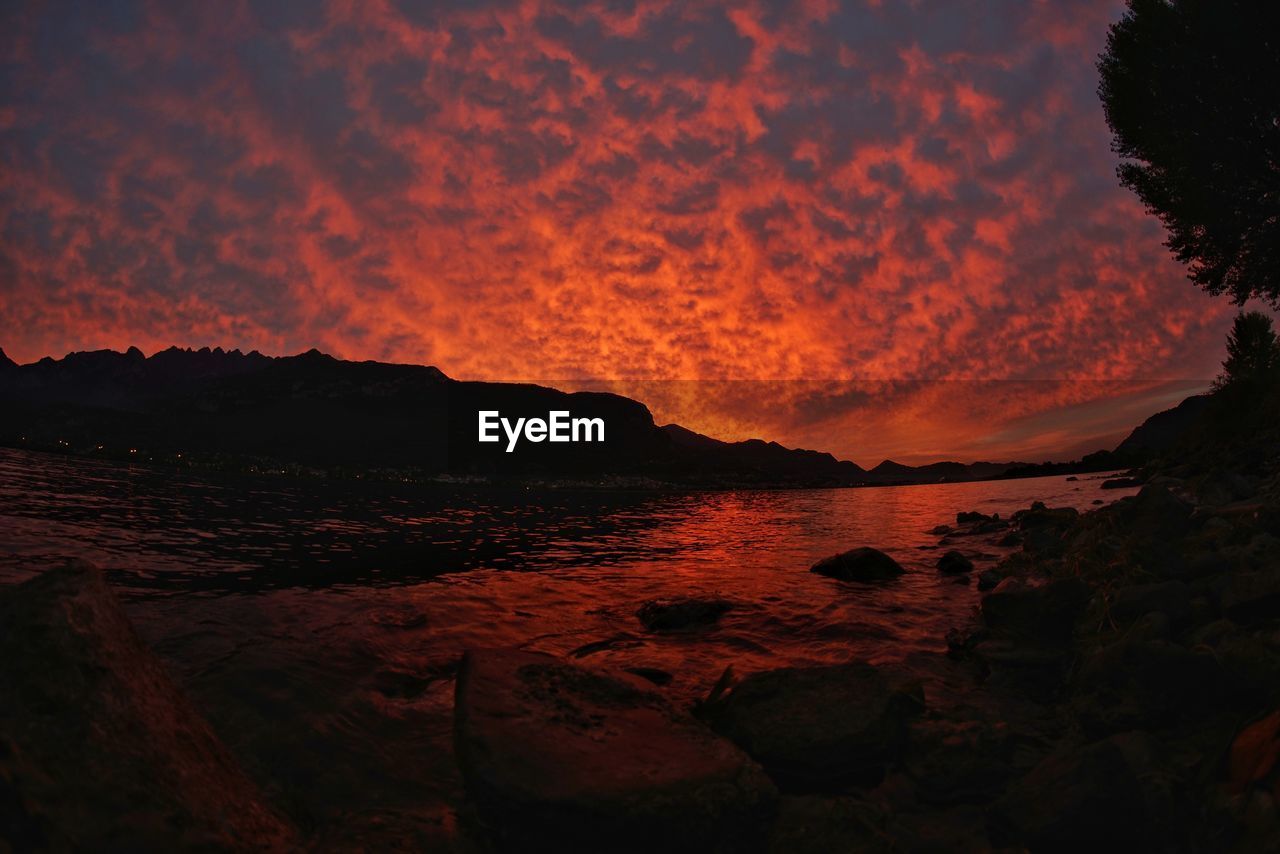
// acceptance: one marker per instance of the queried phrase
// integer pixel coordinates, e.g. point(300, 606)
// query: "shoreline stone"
point(674, 615)
point(556, 757)
point(819, 728)
point(98, 746)
point(955, 562)
point(863, 564)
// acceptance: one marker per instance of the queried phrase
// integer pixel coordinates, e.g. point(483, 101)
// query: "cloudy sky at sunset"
point(903, 215)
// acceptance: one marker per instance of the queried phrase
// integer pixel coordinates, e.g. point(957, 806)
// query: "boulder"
point(1042, 529)
point(959, 829)
point(1251, 668)
point(989, 579)
point(1251, 597)
point(1171, 598)
point(1223, 487)
point(812, 824)
point(99, 749)
point(861, 564)
point(1014, 666)
point(1044, 613)
point(1135, 683)
point(556, 757)
point(1090, 797)
point(954, 563)
point(1157, 515)
point(666, 615)
point(954, 762)
point(1040, 516)
point(1121, 483)
point(1043, 542)
point(1153, 625)
point(815, 728)
point(980, 523)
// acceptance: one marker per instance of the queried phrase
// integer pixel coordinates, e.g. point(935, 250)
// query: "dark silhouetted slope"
point(234, 409)
point(1164, 430)
point(761, 460)
point(316, 411)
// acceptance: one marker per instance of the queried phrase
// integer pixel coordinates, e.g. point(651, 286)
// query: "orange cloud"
point(609, 191)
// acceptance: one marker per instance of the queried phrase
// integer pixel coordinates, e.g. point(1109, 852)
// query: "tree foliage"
point(1253, 357)
point(1191, 90)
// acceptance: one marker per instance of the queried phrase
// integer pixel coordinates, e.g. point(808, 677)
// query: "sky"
point(876, 228)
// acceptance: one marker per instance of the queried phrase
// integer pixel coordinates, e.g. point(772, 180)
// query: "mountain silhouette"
point(246, 410)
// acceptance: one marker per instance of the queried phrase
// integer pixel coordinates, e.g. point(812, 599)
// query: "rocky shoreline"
point(1118, 686)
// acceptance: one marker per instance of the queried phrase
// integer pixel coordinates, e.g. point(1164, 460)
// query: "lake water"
point(317, 624)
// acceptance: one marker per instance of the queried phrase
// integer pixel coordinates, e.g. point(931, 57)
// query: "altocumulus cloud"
point(890, 192)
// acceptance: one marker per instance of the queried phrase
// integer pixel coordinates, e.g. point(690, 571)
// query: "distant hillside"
point(235, 409)
point(766, 459)
point(891, 472)
point(238, 410)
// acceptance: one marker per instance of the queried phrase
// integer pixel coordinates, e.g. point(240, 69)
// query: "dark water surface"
point(317, 624)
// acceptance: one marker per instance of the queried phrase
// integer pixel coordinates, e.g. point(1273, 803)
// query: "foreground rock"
point(815, 728)
point(556, 757)
point(1041, 613)
point(980, 523)
point(1170, 598)
point(958, 761)
point(1083, 798)
point(98, 748)
point(862, 564)
point(1041, 529)
point(809, 824)
point(1252, 597)
point(1133, 684)
point(668, 615)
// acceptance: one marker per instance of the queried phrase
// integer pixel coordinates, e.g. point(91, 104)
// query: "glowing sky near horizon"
point(918, 196)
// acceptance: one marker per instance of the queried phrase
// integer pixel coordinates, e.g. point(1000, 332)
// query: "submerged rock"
point(814, 728)
point(861, 564)
point(556, 757)
point(954, 563)
point(98, 747)
point(656, 675)
point(666, 615)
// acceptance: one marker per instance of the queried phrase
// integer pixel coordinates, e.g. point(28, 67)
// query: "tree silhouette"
point(1252, 354)
point(1190, 92)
